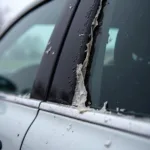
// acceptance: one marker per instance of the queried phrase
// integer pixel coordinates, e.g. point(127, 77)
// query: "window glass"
point(120, 70)
point(21, 49)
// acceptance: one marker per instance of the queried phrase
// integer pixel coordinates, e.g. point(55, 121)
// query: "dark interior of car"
point(126, 83)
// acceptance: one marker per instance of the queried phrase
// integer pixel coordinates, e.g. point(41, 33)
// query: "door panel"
point(15, 119)
point(56, 132)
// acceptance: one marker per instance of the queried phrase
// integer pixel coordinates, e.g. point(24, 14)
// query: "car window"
point(21, 49)
point(120, 69)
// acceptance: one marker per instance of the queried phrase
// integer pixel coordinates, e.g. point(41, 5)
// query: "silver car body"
point(32, 125)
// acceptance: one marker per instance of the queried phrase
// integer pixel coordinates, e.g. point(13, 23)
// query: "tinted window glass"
point(120, 73)
point(21, 49)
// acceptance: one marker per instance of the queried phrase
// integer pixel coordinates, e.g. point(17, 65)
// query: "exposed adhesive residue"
point(104, 108)
point(80, 96)
point(80, 91)
point(83, 109)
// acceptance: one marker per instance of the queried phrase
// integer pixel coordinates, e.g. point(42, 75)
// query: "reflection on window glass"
point(22, 48)
point(27, 49)
point(120, 72)
point(110, 47)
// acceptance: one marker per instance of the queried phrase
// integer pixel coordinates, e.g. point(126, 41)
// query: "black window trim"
point(49, 61)
point(73, 53)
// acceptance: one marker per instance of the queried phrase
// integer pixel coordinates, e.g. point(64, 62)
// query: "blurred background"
point(9, 9)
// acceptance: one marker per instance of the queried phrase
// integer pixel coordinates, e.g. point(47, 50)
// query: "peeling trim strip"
point(90, 44)
point(80, 96)
point(123, 123)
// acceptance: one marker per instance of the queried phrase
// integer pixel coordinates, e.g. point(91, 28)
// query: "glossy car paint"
point(15, 119)
point(66, 128)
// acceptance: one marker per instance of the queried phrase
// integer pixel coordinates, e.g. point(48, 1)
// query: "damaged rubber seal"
point(80, 96)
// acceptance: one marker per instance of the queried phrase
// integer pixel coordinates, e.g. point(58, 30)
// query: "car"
point(74, 74)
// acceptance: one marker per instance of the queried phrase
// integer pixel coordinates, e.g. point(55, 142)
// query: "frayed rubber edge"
point(80, 96)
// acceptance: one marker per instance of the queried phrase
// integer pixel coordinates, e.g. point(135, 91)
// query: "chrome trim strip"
point(124, 123)
point(19, 100)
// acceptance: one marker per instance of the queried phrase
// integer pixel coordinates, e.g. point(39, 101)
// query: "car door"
point(22, 47)
point(76, 115)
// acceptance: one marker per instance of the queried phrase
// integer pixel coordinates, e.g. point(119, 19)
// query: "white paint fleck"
point(48, 51)
point(81, 35)
point(122, 110)
point(117, 109)
point(49, 42)
point(104, 108)
point(70, 7)
point(53, 53)
point(108, 143)
point(134, 56)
